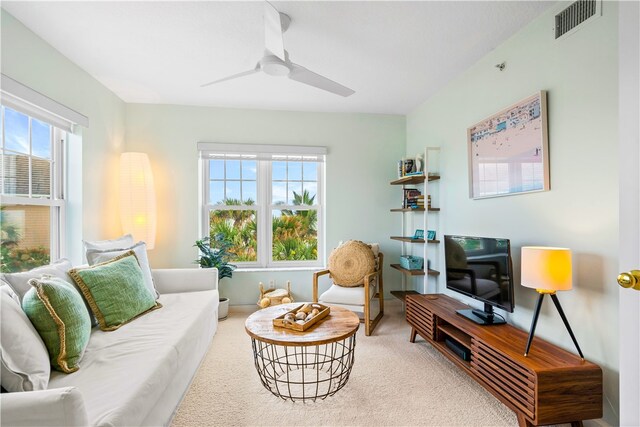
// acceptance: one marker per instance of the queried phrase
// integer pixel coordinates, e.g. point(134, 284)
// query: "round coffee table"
point(307, 365)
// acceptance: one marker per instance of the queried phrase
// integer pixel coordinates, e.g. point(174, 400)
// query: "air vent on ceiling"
point(575, 14)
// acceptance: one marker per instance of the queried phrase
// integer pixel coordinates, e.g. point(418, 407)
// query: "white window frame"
point(56, 201)
point(264, 156)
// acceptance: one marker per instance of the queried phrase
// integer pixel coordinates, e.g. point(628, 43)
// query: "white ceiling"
point(393, 54)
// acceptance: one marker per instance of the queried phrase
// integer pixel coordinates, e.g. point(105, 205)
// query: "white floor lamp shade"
point(546, 268)
point(137, 198)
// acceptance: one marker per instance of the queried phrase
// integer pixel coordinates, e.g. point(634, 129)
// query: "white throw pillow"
point(19, 282)
point(24, 361)
point(101, 245)
point(96, 256)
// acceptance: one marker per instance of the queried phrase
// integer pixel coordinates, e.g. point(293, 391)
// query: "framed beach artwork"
point(509, 151)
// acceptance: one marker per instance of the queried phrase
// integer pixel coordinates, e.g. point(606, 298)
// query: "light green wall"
point(360, 163)
point(581, 210)
point(33, 62)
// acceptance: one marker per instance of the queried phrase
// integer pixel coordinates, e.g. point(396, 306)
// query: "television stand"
point(550, 386)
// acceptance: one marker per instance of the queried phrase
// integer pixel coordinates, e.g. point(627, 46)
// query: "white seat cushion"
point(343, 295)
point(126, 371)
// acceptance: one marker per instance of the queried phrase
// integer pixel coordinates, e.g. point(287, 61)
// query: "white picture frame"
point(509, 151)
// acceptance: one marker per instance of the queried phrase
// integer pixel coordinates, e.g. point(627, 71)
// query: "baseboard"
point(596, 423)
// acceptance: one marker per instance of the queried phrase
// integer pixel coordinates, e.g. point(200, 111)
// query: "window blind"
point(261, 152)
point(21, 98)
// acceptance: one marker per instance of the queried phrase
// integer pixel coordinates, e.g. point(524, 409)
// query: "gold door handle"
point(630, 279)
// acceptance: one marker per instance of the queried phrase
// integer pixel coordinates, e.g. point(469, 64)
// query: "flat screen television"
point(480, 268)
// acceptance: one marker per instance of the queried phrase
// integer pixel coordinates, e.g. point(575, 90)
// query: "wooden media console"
point(549, 386)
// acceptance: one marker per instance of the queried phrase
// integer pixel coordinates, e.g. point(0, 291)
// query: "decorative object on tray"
point(273, 296)
point(419, 234)
point(411, 262)
point(512, 146)
point(302, 317)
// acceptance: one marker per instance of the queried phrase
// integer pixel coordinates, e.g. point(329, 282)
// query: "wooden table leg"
point(522, 421)
point(413, 336)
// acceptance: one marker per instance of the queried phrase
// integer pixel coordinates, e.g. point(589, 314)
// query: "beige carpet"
point(393, 383)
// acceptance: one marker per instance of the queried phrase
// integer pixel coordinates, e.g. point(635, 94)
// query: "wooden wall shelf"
point(408, 180)
point(550, 386)
point(407, 210)
point(416, 179)
point(414, 272)
point(414, 210)
point(412, 240)
point(407, 239)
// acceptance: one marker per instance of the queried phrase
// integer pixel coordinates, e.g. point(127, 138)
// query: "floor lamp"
point(137, 198)
point(547, 270)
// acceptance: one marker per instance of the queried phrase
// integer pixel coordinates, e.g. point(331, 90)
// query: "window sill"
point(276, 269)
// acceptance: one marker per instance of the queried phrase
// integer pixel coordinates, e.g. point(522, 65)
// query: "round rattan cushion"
point(350, 262)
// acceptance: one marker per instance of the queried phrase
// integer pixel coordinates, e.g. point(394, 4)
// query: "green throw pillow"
point(58, 313)
point(115, 290)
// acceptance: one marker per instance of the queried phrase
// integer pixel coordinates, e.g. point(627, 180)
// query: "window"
point(493, 178)
point(532, 176)
point(32, 191)
point(266, 201)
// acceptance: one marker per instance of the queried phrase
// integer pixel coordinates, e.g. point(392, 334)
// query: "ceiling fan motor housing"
point(274, 66)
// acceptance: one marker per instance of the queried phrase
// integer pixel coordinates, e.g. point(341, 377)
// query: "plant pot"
point(223, 308)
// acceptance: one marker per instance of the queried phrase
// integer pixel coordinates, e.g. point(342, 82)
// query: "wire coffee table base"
point(303, 365)
point(302, 373)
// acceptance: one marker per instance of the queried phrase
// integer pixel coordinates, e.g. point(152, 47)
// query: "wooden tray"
point(279, 321)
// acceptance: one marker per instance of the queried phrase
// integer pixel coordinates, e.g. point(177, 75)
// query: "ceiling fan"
point(276, 62)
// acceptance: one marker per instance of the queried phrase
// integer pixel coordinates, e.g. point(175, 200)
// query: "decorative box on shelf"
point(411, 262)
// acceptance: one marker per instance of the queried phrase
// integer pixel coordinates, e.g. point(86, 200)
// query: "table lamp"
point(547, 270)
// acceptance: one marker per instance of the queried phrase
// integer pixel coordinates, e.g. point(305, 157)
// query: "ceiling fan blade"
point(273, 31)
point(302, 75)
point(235, 76)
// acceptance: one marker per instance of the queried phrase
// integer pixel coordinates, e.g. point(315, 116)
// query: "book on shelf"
point(411, 198)
point(412, 192)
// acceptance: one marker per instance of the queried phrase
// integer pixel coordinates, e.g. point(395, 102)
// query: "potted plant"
point(215, 254)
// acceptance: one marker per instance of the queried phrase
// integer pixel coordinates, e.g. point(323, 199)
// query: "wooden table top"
point(338, 325)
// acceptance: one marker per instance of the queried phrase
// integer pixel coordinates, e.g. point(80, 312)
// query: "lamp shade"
point(137, 198)
point(546, 268)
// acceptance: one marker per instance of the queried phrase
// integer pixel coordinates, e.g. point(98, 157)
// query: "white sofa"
point(136, 375)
